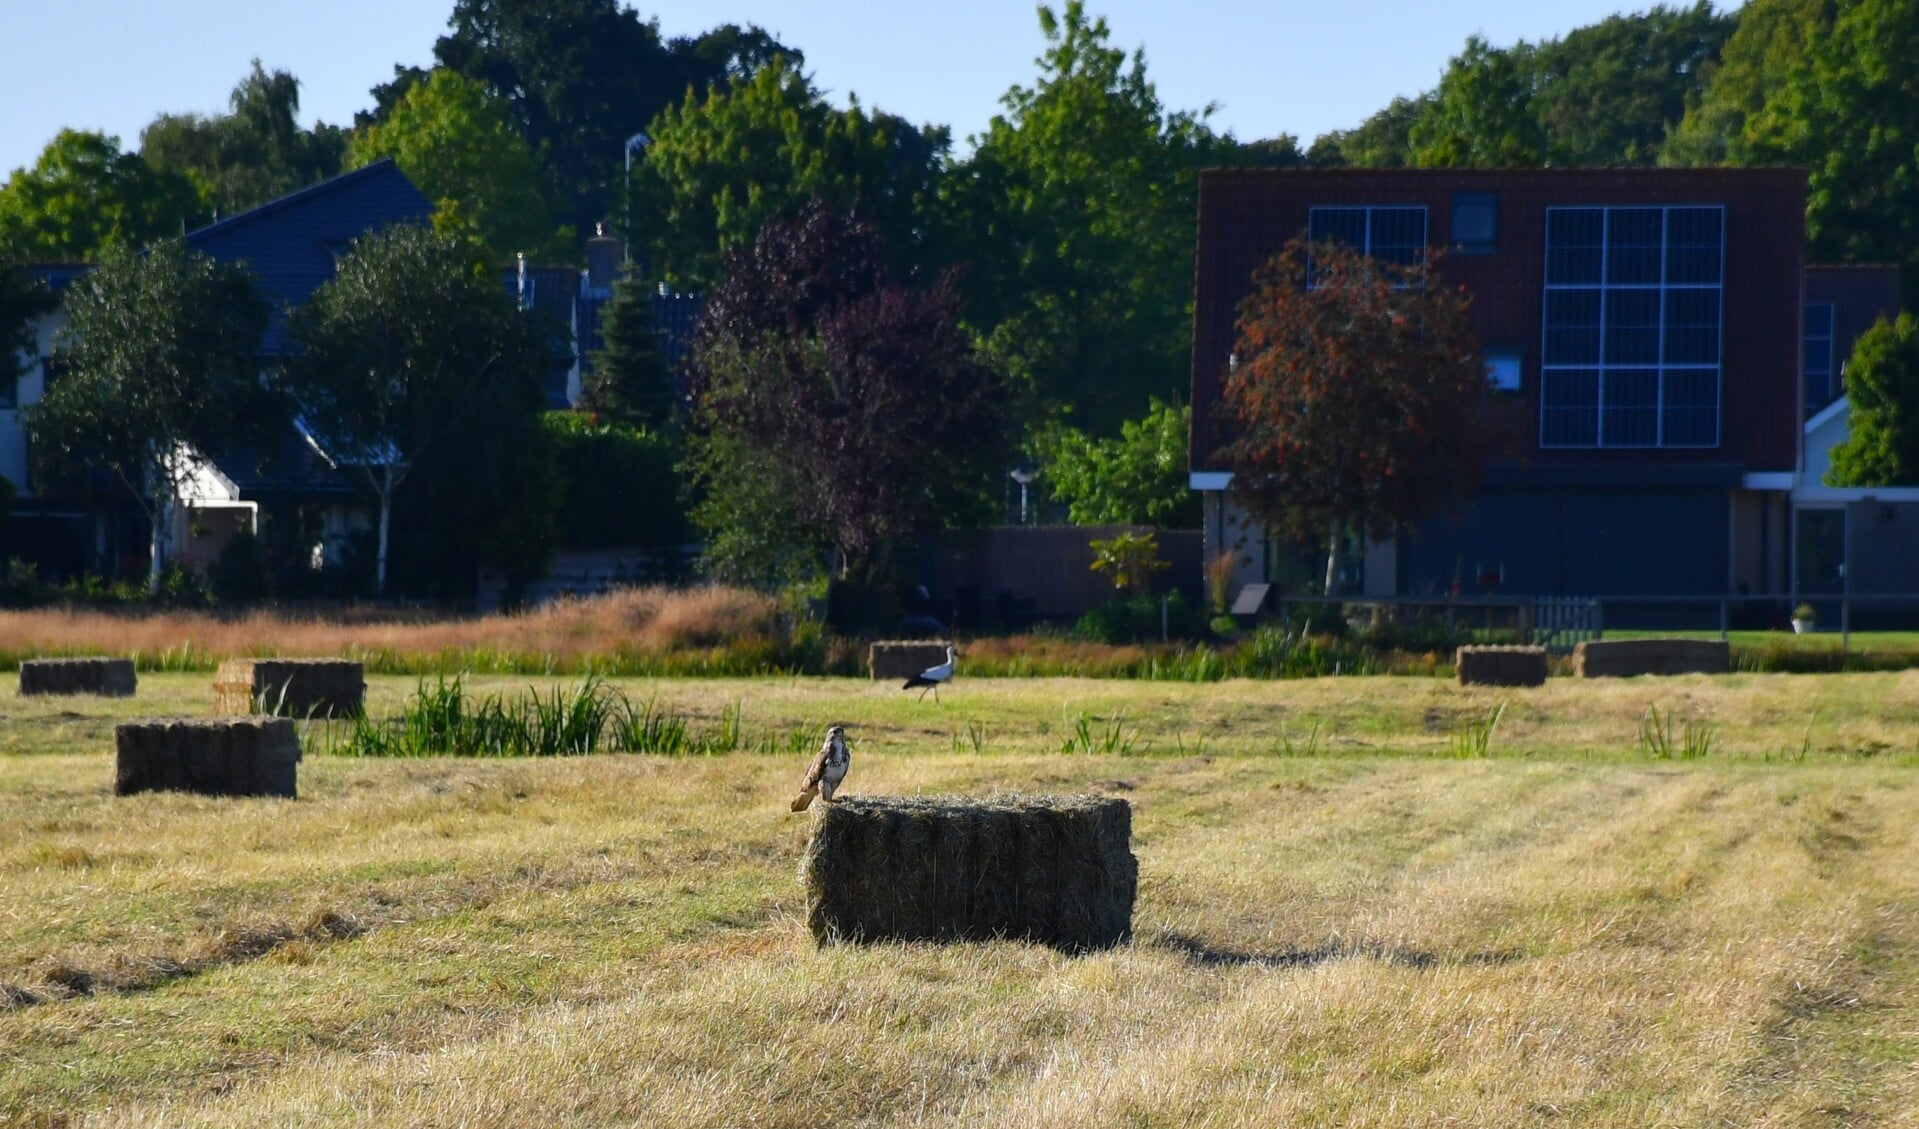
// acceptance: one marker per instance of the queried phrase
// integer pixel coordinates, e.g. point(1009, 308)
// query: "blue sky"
point(1295, 67)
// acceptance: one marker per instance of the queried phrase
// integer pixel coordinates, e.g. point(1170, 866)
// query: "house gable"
point(293, 244)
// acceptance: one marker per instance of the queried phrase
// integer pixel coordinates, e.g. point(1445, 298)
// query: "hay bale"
point(1628, 658)
point(290, 687)
point(1500, 666)
point(903, 658)
point(1058, 870)
point(229, 756)
point(109, 678)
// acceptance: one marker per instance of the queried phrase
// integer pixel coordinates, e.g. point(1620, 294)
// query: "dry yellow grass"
point(1566, 933)
point(642, 620)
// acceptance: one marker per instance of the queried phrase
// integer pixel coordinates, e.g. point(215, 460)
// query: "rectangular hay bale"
point(1500, 666)
point(903, 658)
point(106, 677)
point(1057, 870)
point(228, 756)
point(1629, 658)
point(290, 687)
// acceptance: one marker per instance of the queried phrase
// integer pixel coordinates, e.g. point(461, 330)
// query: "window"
point(1475, 229)
point(1631, 327)
point(1503, 370)
point(1391, 235)
point(1818, 347)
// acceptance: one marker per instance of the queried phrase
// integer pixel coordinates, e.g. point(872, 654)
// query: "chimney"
point(603, 256)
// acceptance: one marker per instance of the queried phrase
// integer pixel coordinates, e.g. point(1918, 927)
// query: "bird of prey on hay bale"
point(829, 767)
point(932, 676)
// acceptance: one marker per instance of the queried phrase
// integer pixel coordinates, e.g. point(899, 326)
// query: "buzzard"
point(823, 776)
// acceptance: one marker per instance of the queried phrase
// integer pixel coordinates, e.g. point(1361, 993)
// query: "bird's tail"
point(804, 800)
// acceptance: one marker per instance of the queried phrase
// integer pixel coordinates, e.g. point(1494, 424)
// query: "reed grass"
point(594, 716)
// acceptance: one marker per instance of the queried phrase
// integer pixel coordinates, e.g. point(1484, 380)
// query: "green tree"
point(1848, 114)
point(1137, 479)
point(24, 299)
point(1481, 116)
point(163, 366)
point(1882, 392)
point(458, 145)
point(630, 382)
point(836, 400)
point(1606, 94)
point(83, 195)
point(255, 152)
point(1611, 93)
point(415, 370)
point(1382, 141)
point(583, 76)
point(1767, 45)
point(1075, 219)
point(1356, 402)
point(621, 486)
point(718, 168)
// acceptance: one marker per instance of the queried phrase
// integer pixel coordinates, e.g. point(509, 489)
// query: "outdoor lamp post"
point(1025, 478)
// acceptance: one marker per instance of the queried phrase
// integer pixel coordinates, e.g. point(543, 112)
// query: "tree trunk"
point(386, 521)
point(1332, 558)
point(160, 517)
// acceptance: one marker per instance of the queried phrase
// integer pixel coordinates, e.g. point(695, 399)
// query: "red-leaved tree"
point(1355, 400)
point(837, 406)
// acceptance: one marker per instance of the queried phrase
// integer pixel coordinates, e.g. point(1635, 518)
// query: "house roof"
point(385, 167)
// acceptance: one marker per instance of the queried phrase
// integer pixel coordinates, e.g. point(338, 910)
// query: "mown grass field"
point(1340, 921)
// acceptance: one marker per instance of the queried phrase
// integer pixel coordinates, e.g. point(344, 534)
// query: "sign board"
point(1250, 599)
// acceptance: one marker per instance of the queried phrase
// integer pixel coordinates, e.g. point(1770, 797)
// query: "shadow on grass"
point(1207, 955)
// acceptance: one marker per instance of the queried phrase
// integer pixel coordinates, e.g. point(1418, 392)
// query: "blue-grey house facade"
point(292, 245)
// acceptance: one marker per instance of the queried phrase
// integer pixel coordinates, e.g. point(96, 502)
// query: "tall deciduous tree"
point(1611, 93)
point(253, 153)
point(1606, 94)
point(1481, 116)
point(582, 77)
point(1882, 390)
point(837, 403)
point(1356, 401)
point(23, 299)
point(163, 366)
point(719, 168)
point(458, 145)
point(416, 370)
point(1138, 478)
point(1767, 45)
point(83, 195)
point(1075, 220)
point(1849, 113)
point(630, 382)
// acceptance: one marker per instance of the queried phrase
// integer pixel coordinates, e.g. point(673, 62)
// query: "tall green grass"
point(442, 719)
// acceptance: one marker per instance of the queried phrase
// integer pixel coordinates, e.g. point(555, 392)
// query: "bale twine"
point(109, 678)
point(1629, 658)
point(1058, 870)
point(903, 658)
point(228, 756)
point(1500, 666)
point(290, 687)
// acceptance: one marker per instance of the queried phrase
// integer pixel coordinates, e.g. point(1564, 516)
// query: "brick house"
point(1645, 333)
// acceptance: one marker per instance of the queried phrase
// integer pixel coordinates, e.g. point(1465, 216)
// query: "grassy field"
point(1347, 916)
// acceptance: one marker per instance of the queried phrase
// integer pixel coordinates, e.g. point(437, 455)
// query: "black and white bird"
point(823, 776)
point(932, 676)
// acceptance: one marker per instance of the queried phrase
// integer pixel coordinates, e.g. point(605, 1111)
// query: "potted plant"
point(1803, 619)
